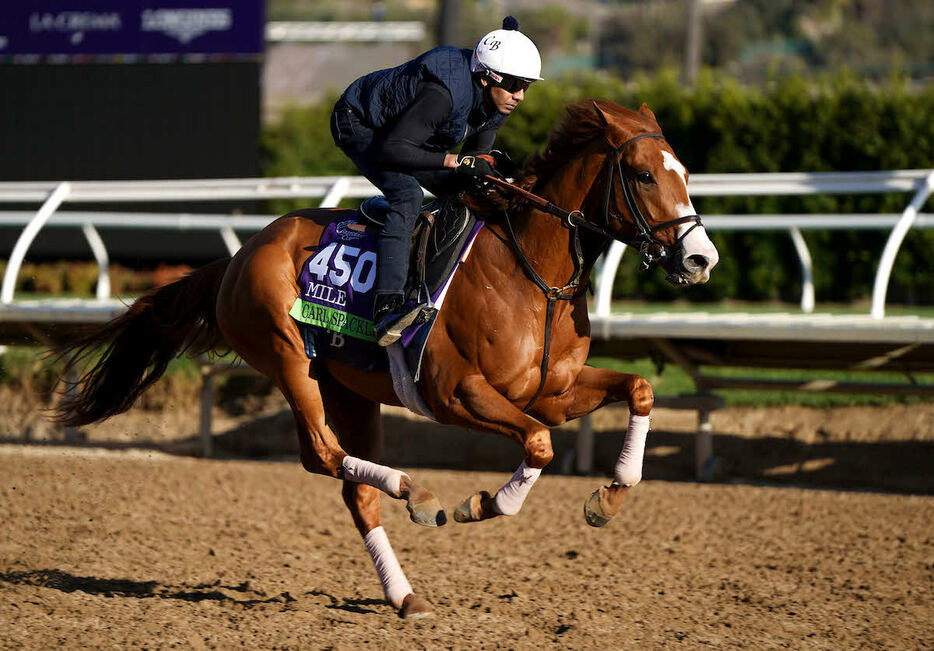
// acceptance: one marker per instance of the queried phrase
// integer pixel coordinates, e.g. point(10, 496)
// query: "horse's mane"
point(581, 124)
point(584, 121)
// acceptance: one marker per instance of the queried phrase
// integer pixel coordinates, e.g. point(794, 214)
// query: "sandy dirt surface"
point(879, 448)
point(817, 535)
point(137, 548)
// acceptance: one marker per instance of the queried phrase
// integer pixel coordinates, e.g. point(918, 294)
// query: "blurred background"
point(142, 90)
point(111, 89)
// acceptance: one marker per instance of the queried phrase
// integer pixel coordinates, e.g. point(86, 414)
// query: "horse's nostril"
point(698, 261)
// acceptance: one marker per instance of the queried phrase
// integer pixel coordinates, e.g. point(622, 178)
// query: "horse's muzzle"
point(684, 270)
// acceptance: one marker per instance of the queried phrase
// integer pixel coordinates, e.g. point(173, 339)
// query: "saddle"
point(440, 232)
point(335, 300)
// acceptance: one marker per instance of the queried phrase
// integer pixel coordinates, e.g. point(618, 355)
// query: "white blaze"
point(672, 164)
point(696, 242)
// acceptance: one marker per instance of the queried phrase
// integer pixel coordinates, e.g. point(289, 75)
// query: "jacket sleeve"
point(403, 147)
point(480, 143)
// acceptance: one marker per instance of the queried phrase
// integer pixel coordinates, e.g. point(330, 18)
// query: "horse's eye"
point(645, 177)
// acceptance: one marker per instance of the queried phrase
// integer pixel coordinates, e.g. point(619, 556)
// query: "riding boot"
point(391, 316)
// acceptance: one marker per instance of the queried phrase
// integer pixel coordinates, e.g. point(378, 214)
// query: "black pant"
point(401, 189)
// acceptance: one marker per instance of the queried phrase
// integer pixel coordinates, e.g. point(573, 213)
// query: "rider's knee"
point(406, 200)
point(641, 397)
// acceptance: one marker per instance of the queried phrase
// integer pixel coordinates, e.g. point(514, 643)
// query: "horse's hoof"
point(594, 513)
point(414, 607)
point(604, 504)
point(423, 507)
point(428, 513)
point(475, 508)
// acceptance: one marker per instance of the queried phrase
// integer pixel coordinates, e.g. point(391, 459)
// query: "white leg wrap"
point(366, 472)
point(510, 497)
point(395, 585)
point(628, 471)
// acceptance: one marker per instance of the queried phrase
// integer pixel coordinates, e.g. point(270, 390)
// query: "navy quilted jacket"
point(380, 97)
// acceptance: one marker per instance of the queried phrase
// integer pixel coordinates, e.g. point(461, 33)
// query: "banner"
point(32, 31)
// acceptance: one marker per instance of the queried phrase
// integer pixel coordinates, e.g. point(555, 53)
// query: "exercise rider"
point(398, 125)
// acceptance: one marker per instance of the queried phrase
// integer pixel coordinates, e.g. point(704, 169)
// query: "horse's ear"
point(647, 112)
point(602, 113)
point(605, 119)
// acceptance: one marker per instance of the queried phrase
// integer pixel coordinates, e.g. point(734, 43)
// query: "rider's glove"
point(475, 166)
point(504, 164)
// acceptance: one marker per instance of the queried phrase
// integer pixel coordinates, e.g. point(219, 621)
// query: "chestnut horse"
point(508, 349)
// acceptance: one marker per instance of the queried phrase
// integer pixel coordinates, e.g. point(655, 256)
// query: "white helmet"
point(507, 51)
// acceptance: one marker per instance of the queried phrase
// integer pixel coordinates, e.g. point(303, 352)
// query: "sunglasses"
point(511, 84)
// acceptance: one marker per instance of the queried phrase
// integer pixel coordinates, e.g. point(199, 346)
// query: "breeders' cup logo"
point(345, 232)
point(186, 24)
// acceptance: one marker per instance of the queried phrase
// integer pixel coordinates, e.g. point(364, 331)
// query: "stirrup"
point(389, 330)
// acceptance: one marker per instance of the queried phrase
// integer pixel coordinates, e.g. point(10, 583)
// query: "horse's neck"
point(543, 238)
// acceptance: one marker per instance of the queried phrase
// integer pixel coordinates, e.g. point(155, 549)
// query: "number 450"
point(348, 265)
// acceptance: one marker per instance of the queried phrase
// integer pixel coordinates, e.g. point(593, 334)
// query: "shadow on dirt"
point(900, 466)
point(65, 582)
point(897, 466)
point(349, 605)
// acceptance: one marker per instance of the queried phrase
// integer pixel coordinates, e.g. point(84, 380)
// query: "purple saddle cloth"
point(334, 308)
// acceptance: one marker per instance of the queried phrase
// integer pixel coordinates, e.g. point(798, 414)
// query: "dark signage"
point(76, 30)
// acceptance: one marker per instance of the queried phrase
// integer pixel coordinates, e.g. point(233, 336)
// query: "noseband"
point(650, 247)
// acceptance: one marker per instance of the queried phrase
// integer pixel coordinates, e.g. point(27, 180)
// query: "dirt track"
point(142, 549)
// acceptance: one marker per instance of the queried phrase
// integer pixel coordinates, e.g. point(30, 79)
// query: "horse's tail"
point(137, 346)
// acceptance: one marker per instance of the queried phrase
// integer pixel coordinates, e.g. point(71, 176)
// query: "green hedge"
point(838, 123)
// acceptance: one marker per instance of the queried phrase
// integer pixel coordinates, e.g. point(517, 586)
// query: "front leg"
point(593, 389)
point(477, 405)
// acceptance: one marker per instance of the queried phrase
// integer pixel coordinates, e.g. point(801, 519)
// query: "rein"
point(650, 248)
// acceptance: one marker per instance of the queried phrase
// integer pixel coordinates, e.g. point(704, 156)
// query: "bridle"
point(652, 250)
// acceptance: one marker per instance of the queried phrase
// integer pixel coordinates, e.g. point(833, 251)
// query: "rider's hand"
point(475, 166)
point(504, 164)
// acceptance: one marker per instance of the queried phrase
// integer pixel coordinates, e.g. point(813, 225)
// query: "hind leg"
point(357, 422)
point(252, 311)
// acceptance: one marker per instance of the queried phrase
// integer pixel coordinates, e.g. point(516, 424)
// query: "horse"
point(507, 353)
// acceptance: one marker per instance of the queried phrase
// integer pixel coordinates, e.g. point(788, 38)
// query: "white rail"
point(921, 182)
point(331, 32)
point(331, 190)
point(909, 216)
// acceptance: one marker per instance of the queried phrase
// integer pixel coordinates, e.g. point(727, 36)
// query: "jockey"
point(397, 126)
